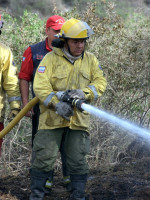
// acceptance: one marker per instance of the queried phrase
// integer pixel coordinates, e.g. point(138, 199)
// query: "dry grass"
point(16, 154)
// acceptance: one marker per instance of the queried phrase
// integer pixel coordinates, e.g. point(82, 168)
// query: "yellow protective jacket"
point(8, 81)
point(56, 73)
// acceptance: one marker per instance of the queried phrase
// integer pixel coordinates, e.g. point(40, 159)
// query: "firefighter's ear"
point(58, 43)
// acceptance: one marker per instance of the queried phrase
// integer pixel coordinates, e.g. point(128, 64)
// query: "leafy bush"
point(22, 32)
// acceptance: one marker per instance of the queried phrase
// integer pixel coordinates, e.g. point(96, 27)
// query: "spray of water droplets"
point(117, 121)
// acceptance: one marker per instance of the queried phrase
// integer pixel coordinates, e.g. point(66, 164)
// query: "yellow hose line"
point(18, 117)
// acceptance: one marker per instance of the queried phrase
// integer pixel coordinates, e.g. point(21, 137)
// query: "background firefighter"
point(8, 84)
point(67, 67)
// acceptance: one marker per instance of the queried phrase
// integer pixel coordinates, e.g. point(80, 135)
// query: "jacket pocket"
point(59, 81)
point(85, 144)
point(84, 79)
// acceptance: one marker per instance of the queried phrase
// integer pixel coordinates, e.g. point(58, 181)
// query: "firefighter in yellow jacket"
point(8, 84)
point(68, 72)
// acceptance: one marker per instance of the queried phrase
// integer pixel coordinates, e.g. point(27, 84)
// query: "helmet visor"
point(77, 28)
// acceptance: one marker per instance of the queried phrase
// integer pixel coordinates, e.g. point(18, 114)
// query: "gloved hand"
point(60, 95)
point(64, 110)
point(13, 114)
point(78, 94)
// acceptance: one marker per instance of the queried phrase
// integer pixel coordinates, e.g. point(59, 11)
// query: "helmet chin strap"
point(68, 48)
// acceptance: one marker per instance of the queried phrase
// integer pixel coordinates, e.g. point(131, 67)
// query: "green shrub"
point(22, 32)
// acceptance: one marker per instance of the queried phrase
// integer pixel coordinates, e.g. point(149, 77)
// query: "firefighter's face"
point(50, 32)
point(76, 46)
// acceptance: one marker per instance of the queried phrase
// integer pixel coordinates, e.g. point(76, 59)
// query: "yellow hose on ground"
point(19, 116)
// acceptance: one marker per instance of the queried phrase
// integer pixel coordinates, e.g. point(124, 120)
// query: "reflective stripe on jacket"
point(56, 73)
point(8, 80)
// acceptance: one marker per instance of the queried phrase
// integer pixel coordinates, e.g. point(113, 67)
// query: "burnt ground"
point(125, 181)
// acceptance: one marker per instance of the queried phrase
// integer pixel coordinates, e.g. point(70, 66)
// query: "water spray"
point(127, 125)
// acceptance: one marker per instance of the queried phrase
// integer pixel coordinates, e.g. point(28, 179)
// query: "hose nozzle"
point(77, 103)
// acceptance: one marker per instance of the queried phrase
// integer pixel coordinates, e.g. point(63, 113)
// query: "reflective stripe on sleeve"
point(92, 87)
point(10, 99)
point(48, 99)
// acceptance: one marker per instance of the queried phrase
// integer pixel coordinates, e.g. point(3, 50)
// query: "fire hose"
point(35, 100)
point(18, 117)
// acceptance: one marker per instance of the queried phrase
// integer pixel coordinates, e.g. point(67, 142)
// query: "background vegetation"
point(122, 45)
point(45, 7)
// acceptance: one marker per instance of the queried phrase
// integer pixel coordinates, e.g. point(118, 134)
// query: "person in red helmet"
point(30, 61)
point(8, 84)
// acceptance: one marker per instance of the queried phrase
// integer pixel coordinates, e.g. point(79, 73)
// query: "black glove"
point(76, 94)
point(64, 110)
